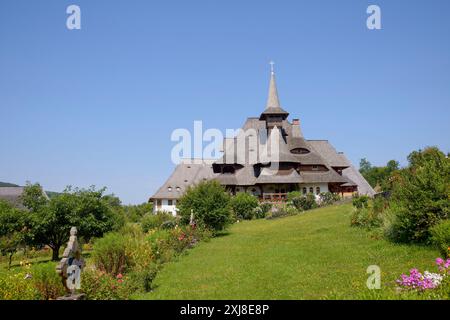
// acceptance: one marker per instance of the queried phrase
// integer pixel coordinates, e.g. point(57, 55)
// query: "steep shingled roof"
point(184, 175)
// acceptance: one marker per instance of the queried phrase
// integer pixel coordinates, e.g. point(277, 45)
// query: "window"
point(304, 190)
point(318, 190)
point(315, 168)
point(311, 190)
point(170, 202)
point(170, 189)
point(158, 202)
point(299, 151)
point(178, 189)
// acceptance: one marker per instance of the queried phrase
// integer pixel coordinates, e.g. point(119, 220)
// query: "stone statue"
point(70, 268)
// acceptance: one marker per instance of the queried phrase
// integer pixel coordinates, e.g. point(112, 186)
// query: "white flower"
point(436, 278)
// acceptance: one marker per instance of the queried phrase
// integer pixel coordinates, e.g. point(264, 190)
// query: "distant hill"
point(50, 194)
point(7, 184)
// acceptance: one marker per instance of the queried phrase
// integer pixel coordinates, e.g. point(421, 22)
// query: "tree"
point(51, 220)
point(364, 166)
point(12, 230)
point(420, 196)
point(210, 203)
point(378, 176)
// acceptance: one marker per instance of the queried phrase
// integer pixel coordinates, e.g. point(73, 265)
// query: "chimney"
point(296, 131)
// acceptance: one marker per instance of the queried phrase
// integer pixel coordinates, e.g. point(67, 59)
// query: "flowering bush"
point(98, 285)
point(418, 281)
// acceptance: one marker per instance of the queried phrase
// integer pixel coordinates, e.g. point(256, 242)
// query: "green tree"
point(51, 220)
point(210, 203)
point(12, 230)
point(420, 196)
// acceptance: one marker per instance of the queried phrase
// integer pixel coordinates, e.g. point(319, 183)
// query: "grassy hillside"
point(315, 255)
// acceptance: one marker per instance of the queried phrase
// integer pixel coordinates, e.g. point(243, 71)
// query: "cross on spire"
point(272, 69)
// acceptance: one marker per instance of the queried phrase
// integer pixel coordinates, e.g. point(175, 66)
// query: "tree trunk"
point(55, 253)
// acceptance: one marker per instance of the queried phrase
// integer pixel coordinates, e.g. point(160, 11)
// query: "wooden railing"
point(273, 197)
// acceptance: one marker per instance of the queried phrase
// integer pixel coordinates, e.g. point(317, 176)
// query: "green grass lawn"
point(315, 255)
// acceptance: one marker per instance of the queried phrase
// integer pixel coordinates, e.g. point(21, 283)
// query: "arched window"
point(304, 190)
point(318, 190)
point(311, 190)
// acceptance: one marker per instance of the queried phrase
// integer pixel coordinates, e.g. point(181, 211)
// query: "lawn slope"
point(314, 255)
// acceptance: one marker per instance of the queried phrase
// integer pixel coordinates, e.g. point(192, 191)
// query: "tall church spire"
point(273, 106)
point(273, 101)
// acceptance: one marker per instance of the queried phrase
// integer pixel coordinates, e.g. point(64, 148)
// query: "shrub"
point(420, 196)
point(440, 236)
point(109, 254)
point(366, 217)
point(293, 195)
point(98, 285)
point(328, 198)
point(302, 203)
point(47, 281)
point(266, 207)
point(243, 205)
point(142, 280)
point(210, 203)
point(153, 221)
point(283, 211)
point(360, 202)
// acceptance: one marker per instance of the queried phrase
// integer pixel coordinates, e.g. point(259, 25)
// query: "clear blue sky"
point(97, 106)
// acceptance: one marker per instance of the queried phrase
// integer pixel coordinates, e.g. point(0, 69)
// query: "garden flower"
point(439, 261)
point(119, 276)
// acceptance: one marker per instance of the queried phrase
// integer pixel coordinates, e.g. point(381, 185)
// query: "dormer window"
point(300, 151)
point(169, 189)
point(178, 189)
point(315, 168)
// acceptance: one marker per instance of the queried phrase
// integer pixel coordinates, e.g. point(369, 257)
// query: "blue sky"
point(97, 106)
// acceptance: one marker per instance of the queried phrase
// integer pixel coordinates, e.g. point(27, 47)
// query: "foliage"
point(378, 176)
point(51, 220)
point(420, 196)
point(304, 203)
point(440, 236)
point(328, 198)
point(110, 254)
point(262, 211)
point(12, 230)
point(243, 205)
point(17, 286)
point(135, 213)
point(210, 203)
point(153, 221)
point(47, 281)
point(360, 202)
point(98, 285)
point(282, 211)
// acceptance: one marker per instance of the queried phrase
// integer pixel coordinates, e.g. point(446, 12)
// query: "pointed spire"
point(273, 106)
point(273, 101)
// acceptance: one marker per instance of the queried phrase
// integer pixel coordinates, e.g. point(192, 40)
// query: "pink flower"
point(120, 281)
point(119, 276)
point(439, 261)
